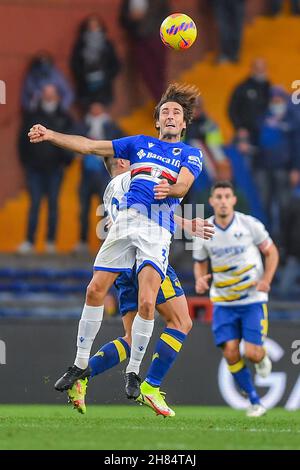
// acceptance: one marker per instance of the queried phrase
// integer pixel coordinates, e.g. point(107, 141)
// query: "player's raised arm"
point(75, 143)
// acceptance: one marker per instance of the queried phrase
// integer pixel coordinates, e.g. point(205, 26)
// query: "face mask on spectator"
point(260, 77)
point(95, 124)
point(94, 38)
point(278, 109)
point(49, 106)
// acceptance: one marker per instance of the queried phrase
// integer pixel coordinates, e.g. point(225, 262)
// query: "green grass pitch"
point(135, 427)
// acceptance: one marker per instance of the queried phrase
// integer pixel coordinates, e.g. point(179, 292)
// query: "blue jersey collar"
point(227, 226)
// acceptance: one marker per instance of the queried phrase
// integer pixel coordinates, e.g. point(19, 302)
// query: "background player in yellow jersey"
point(240, 286)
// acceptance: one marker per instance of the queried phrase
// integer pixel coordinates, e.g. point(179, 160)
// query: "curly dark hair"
point(183, 94)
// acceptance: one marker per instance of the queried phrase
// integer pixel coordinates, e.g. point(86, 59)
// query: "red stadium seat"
point(200, 303)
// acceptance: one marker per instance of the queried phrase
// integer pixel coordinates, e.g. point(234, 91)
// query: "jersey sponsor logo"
point(141, 154)
point(194, 160)
point(229, 250)
point(171, 161)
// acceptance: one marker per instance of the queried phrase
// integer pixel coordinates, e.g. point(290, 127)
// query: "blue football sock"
point(167, 348)
point(243, 378)
point(109, 356)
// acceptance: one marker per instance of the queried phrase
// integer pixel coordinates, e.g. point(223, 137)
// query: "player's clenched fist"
point(38, 133)
point(202, 284)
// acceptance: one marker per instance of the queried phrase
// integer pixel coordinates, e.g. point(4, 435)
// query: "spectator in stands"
point(94, 63)
point(42, 71)
point(230, 20)
point(205, 133)
point(291, 270)
point(275, 6)
point(241, 154)
point(242, 143)
point(142, 20)
point(278, 155)
point(44, 165)
point(250, 99)
point(293, 109)
point(99, 126)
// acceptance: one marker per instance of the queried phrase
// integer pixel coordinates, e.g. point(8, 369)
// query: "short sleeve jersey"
point(152, 160)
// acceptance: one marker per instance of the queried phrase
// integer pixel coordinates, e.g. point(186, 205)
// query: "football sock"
point(109, 356)
point(88, 328)
point(243, 378)
point(141, 333)
point(167, 348)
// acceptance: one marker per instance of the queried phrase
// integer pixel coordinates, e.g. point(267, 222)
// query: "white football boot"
point(255, 411)
point(264, 367)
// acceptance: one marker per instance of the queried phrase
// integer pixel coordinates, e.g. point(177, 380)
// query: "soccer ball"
point(178, 31)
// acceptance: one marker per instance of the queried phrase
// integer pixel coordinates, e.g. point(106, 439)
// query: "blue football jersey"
point(152, 160)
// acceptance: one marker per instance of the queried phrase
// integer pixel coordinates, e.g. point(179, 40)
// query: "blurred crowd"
point(263, 158)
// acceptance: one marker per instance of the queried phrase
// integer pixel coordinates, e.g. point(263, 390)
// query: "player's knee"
point(255, 354)
point(181, 324)
point(95, 292)
point(146, 308)
point(232, 355)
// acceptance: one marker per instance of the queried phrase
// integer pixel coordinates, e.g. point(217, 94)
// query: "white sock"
point(88, 328)
point(141, 334)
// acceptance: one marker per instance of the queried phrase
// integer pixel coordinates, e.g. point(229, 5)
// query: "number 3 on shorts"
point(164, 255)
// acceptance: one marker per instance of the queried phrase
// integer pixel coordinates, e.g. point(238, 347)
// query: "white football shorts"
point(134, 238)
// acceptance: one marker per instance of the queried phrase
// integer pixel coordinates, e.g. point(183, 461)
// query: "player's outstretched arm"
point(75, 143)
point(196, 227)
